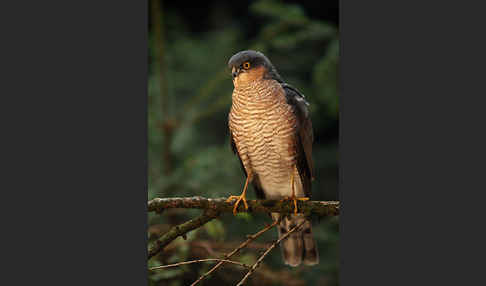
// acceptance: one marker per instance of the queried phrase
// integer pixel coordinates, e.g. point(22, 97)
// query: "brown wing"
point(304, 138)
point(235, 150)
point(307, 137)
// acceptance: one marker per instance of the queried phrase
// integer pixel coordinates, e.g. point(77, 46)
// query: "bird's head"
point(248, 66)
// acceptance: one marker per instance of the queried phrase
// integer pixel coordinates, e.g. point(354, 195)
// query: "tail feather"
point(300, 245)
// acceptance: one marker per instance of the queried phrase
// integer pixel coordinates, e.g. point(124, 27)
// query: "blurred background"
point(189, 89)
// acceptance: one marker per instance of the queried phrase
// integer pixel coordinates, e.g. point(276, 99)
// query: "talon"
point(293, 197)
point(239, 198)
point(232, 198)
point(237, 203)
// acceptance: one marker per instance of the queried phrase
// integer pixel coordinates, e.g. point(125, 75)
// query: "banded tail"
point(300, 246)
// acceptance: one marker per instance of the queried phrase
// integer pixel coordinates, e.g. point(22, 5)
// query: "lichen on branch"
point(319, 208)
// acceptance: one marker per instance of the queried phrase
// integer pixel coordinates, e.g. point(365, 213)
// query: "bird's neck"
point(261, 94)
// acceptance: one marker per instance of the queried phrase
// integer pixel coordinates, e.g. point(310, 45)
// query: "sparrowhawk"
point(271, 133)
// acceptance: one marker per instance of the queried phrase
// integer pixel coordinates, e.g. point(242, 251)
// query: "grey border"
point(409, 132)
point(77, 77)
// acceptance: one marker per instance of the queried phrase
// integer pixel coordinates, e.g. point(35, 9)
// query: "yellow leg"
point(293, 197)
point(240, 197)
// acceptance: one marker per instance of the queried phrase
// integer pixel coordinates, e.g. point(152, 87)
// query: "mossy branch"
point(318, 208)
point(181, 230)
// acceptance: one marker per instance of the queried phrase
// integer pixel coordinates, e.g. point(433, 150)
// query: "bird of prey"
point(271, 133)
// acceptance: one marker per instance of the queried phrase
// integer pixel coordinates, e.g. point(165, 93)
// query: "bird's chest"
point(254, 122)
point(261, 127)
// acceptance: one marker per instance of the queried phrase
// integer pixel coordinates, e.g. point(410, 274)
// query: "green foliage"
point(248, 258)
point(215, 230)
point(325, 78)
point(277, 11)
point(188, 148)
point(244, 216)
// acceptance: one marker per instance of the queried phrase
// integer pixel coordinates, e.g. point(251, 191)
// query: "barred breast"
point(263, 129)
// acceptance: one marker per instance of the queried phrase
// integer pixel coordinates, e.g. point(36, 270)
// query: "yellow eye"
point(246, 65)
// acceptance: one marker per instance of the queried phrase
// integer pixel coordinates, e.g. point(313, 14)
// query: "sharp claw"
point(294, 200)
point(238, 200)
point(246, 205)
point(240, 197)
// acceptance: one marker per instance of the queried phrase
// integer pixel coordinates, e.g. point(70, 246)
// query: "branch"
point(181, 230)
point(200, 260)
point(241, 246)
point(319, 208)
point(260, 259)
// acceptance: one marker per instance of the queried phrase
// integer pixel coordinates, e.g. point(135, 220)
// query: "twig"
point(319, 208)
point(213, 247)
point(260, 259)
point(241, 246)
point(181, 230)
point(200, 260)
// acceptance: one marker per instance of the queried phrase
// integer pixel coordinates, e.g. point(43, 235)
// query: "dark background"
point(190, 88)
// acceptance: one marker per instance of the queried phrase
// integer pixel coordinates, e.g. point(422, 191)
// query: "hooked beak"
point(235, 72)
